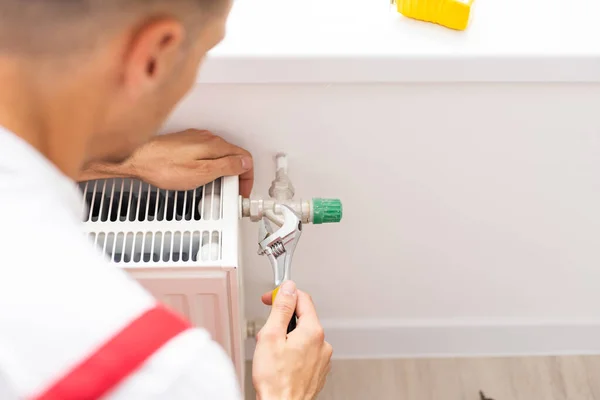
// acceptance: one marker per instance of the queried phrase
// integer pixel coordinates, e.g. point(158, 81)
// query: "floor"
point(530, 378)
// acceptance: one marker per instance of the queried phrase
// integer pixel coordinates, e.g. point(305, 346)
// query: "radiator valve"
point(281, 192)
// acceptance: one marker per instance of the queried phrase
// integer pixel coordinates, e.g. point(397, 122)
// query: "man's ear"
point(153, 55)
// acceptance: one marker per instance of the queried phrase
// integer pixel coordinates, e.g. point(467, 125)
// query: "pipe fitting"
point(281, 192)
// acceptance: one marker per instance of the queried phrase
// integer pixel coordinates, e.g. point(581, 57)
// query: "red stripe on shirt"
point(118, 358)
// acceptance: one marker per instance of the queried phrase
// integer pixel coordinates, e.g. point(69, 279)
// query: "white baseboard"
point(356, 339)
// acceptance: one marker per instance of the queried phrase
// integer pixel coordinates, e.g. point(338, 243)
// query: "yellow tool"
point(453, 14)
point(274, 294)
point(279, 247)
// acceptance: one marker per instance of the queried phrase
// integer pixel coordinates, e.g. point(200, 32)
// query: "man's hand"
point(182, 161)
point(290, 366)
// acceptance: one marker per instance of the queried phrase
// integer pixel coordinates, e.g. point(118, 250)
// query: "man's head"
point(121, 65)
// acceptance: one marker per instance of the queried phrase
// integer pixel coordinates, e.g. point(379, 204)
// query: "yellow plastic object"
point(274, 294)
point(453, 14)
point(293, 321)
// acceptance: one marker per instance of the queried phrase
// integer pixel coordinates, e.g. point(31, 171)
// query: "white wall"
point(465, 205)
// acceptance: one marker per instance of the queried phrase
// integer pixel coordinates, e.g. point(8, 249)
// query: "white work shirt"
point(62, 303)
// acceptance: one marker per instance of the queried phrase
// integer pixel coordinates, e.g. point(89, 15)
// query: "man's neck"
point(44, 114)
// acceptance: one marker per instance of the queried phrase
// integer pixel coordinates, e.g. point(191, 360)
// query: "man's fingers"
point(283, 309)
point(246, 182)
point(267, 298)
point(209, 170)
point(229, 159)
point(305, 309)
point(230, 166)
point(225, 166)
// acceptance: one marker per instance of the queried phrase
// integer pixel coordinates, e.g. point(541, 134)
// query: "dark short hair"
point(55, 26)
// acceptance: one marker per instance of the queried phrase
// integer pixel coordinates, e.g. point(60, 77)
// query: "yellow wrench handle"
point(292, 324)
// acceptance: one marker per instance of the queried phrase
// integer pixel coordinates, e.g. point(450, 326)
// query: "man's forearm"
point(100, 170)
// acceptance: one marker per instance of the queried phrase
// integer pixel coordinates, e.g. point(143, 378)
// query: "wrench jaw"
point(278, 268)
point(279, 271)
point(264, 232)
point(288, 232)
point(279, 246)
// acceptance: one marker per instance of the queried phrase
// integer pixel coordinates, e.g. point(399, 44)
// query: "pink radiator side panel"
point(208, 297)
point(200, 296)
point(237, 323)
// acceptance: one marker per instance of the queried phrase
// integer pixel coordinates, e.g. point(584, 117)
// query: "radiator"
point(182, 246)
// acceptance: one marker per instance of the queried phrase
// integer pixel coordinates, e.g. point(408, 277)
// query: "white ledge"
point(333, 41)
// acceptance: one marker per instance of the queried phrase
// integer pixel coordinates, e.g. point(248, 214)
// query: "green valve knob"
point(326, 211)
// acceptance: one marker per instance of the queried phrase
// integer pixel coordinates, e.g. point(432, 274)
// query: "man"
point(84, 85)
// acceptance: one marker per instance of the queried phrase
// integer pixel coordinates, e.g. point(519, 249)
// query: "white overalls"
point(72, 326)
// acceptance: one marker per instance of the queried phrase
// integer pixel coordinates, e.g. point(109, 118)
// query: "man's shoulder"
point(42, 238)
point(36, 198)
point(34, 218)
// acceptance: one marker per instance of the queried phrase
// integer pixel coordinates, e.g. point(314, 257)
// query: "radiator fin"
point(134, 223)
point(121, 200)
